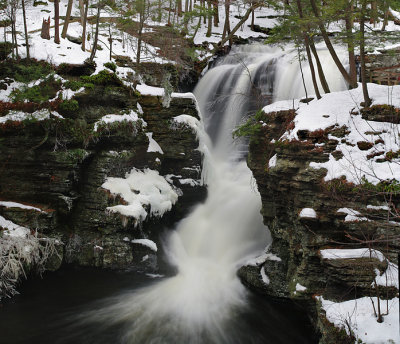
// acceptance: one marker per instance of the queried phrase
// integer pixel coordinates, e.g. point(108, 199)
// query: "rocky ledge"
point(53, 171)
point(333, 238)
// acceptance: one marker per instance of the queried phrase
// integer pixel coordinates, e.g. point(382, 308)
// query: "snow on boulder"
point(140, 190)
point(308, 213)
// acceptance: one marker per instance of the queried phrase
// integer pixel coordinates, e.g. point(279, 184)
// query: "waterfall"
point(202, 302)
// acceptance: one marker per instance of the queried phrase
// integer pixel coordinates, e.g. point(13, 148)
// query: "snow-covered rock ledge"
point(328, 174)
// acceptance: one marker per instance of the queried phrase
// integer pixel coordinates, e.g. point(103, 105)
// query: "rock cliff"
point(53, 169)
point(310, 217)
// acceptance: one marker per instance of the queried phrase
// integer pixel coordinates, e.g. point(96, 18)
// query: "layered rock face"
point(309, 218)
point(59, 166)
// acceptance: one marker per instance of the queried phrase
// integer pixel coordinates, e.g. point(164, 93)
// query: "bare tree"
point(84, 26)
point(57, 21)
point(67, 18)
point(26, 32)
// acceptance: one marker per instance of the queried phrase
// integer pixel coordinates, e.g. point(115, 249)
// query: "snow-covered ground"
point(342, 109)
point(358, 316)
point(123, 44)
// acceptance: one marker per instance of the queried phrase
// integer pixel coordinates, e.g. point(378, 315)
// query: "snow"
point(359, 314)
point(12, 229)
point(146, 242)
point(336, 109)
point(189, 181)
point(20, 116)
point(300, 287)
point(377, 207)
point(264, 276)
point(18, 205)
point(352, 253)
point(189, 121)
point(146, 90)
point(389, 278)
point(308, 213)
point(262, 258)
point(140, 189)
point(132, 116)
point(272, 161)
point(352, 215)
point(153, 145)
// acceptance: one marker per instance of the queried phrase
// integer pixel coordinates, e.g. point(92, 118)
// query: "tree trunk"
point(331, 49)
point(209, 17)
point(252, 21)
point(302, 74)
point(45, 33)
point(215, 13)
point(26, 32)
point(227, 27)
point(169, 13)
point(386, 17)
point(374, 12)
point(84, 26)
point(96, 35)
point(67, 18)
point(14, 32)
point(110, 40)
point(179, 3)
point(367, 99)
point(321, 73)
point(350, 42)
point(139, 37)
point(82, 11)
point(309, 57)
point(57, 21)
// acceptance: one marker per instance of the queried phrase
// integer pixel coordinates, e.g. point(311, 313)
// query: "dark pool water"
point(45, 312)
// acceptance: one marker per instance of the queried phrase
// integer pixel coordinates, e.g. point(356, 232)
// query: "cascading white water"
point(208, 246)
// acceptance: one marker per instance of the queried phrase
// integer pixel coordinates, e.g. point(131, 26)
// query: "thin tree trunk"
point(84, 25)
point(309, 57)
point(26, 32)
point(209, 17)
point(203, 5)
point(110, 40)
point(96, 35)
point(350, 43)
point(169, 12)
point(215, 13)
point(227, 27)
point(386, 17)
point(179, 3)
point(367, 100)
point(321, 73)
point(252, 20)
point(331, 49)
point(139, 38)
point(14, 32)
point(302, 74)
point(82, 11)
point(57, 21)
point(67, 18)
